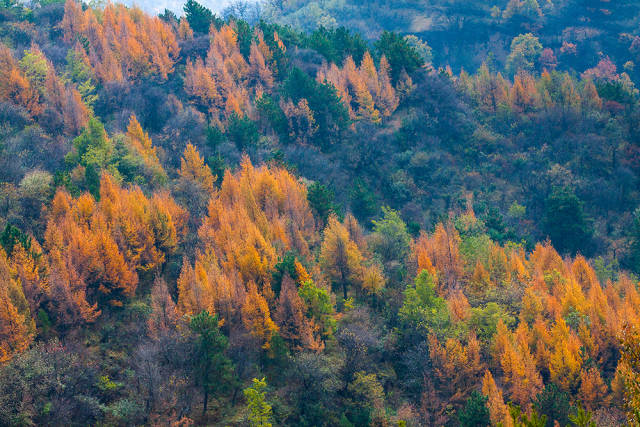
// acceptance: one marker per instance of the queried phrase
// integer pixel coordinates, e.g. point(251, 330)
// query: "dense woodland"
point(322, 213)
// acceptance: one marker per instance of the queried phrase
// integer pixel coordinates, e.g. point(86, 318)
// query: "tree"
point(498, 411)
point(321, 201)
point(242, 131)
point(524, 9)
point(16, 324)
point(390, 238)
point(329, 113)
point(142, 145)
point(256, 316)
point(213, 371)
point(49, 385)
point(199, 17)
point(15, 87)
point(340, 257)
point(565, 222)
point(196, 183)
point(633, 258)
point(290, 316)
point(164, 316)
point(593, 391)
point(260, 413)
point(525, 51)
point(475, 412)
point(319, 307)
point(629, 367)
point(553, 404)
point(368, 395)
point(422, 308)
point(400, 54)
point(582, 418)
point(526, 420)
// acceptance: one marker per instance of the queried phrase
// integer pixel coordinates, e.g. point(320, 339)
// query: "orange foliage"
point(124, 43)
point(14, 85)
point(441, 249)
point(225, 81)
point(193, 169)
point(96, 250)
point(498, 410)
point(457, 367)
point(141, 143)
point(16, 324)
point(256, 317)
point(292, 322)
point(364, 87)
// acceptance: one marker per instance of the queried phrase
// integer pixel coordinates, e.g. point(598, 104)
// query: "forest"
point(320, 213)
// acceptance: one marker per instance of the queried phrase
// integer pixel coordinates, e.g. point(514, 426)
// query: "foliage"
point(475, 412)
point(565, 222)
point(213, 371)
point(259, 409)
point(400, 54)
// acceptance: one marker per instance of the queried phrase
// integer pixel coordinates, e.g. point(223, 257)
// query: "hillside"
point(363, 213)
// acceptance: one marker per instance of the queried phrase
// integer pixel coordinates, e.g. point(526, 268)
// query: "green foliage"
point(11, 236)
point(284, 266)
point(400, 54)
point(270, 111)
point(553, 404)
point(329, 112)
point(92, 146)
point(484, 320)
point(80, 73)
point(214, 137)
point(242, 131)
point(168, 16)
point(363, 201)
point(496, 228)
point(521, 419)
point(319, 306)
point(260, 413)
point(582, 418)
point(565, 222)
point(213, 370)
point(218, 167)
point(368, 398)
point(36, 68)
point(475, 412)
point(336, 44)
point(321, 200)
point(423, 49)
point(633, 258)
point(244, 33)
point(390, 238)
point(199, 17)
point(422, 309)
point(525, 51)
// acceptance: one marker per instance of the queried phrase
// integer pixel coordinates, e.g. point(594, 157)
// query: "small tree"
point(554, 404)
point(259, 410)
point(565, 222)
point(199, 17)
point(213, 371)
point(582, 418)
point(475, 413)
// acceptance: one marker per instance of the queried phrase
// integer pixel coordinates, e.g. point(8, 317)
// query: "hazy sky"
point(157, 6)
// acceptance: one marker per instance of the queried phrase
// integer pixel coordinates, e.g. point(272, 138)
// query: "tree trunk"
point(205, 403)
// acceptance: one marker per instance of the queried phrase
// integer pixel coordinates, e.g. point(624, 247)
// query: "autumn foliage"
point(122, 43)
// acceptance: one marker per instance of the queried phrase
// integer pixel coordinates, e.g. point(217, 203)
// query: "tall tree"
point(340, 257)
point(213, 370)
